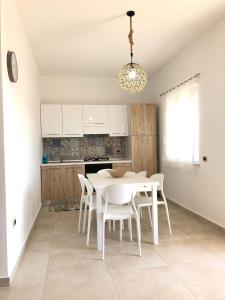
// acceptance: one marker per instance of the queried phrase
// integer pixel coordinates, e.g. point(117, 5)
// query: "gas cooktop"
point(97, 159)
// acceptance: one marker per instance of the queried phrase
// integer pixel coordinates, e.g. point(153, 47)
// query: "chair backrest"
point(159, 177)
point(119, 193)
point(89, 187)
point(82, 182)
point(142, 173)
point(103, 171)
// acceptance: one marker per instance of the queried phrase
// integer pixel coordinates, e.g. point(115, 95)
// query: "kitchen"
point(86, 138)
point(66, 67)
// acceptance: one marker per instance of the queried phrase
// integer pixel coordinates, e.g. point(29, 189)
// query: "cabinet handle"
point(73, 134)
point(53, 134)
point(143, 131)
point(98, 123)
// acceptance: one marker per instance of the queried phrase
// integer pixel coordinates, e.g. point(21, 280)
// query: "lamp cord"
point(130, 37)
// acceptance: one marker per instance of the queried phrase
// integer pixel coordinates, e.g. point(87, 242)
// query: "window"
point(181, 125)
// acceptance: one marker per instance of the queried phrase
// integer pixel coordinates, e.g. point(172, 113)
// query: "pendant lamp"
point(132, 77)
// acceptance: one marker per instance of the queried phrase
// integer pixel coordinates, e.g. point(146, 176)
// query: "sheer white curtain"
point(181, 125)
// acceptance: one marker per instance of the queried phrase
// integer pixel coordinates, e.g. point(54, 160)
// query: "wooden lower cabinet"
point(55, 183)
point(61, 182)
point(144, 153)
point(45, 183)
point(71, 184)
point(123, 165)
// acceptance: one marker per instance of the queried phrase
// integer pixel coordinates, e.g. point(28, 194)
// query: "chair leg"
point(89, 225)
point(150, 216)
point(80, 214)
point(121, 230)
point(130, 228)
point(167, 211)
point(85, 214)
point(103, 240)
point(168, 217)
point(139, 218)
point(138, 234)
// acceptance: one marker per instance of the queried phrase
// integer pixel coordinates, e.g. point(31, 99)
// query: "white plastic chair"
point(103, 172)
point(88, 201)
point(146, 201)
point(142, 173)
point(91, 203)
point(115, 197)
point(83, 198)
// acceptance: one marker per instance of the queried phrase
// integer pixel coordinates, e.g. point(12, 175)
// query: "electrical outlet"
point(14, 222)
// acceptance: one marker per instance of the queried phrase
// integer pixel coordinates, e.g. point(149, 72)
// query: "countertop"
point(82, 162)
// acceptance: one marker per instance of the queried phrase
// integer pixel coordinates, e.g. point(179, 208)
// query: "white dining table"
point(100, 181)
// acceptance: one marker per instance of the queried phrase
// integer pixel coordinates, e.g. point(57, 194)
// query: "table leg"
point(155, 233)
point(99, 218)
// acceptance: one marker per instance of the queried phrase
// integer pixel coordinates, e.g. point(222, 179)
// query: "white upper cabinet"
point(51, 120)
point(96, 119)
point(76, 120)
point(118, 122)
point(95, 115)
point(72, 120)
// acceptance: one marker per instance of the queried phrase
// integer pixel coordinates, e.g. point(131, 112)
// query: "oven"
point(95, 167)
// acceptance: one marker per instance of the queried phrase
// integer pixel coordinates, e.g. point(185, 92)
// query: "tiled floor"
point(57, 264)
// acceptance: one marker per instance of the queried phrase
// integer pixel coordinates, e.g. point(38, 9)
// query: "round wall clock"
point(12, 66)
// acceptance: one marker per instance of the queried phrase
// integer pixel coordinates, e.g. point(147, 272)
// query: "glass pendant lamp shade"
point(132, 78)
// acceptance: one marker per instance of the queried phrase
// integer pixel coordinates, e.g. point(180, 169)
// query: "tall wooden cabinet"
point(144, 138)
point(61, 182)
point(117, 166)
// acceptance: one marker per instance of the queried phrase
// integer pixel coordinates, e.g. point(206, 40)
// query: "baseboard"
point(22, 250)
point(196, 213)
point(4, 282)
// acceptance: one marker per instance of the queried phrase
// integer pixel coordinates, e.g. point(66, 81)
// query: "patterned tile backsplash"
point(88, 146)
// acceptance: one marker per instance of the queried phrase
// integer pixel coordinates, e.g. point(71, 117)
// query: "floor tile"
point(153, 283)
point(183, 252)
point(205, 279)
point(80, 280)
point(22, 293)
point(125, 257)
point(58, 265)
point(216, 245)
point(32, 270)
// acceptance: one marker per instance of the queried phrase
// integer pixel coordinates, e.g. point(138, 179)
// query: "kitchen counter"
point(82, 162)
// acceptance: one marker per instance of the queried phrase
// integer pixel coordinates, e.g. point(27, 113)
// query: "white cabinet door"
point(51, 120)
point(95, 115)
point(72, 120)
point(118, 122)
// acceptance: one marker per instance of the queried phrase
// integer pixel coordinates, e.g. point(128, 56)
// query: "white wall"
point(3, 236)
point(21, 107)
point(200, 189)
point(87, 91)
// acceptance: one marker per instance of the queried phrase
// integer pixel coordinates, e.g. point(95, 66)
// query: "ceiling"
point(89, 38)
